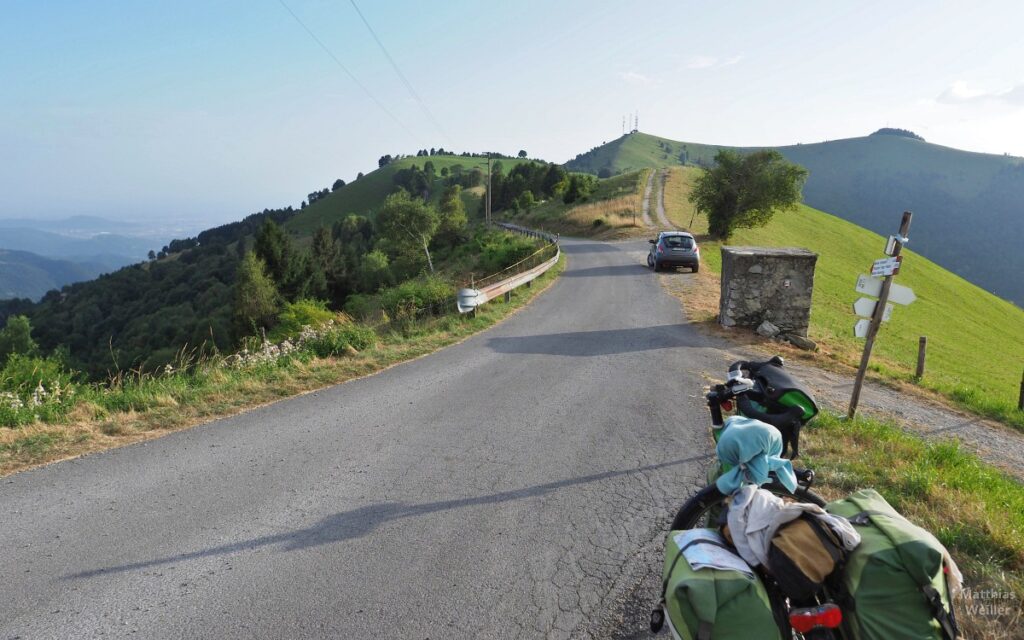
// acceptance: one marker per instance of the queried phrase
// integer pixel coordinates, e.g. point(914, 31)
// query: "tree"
point(256, 299)
point(452, 214)
point(403, 219)
point(151, 255)
point(527, 201)
point(444, 172)
point(359, 175)
point(372, 272)
point(522, 153)
point(16, 337)
point(339, 183)
point(745, 190)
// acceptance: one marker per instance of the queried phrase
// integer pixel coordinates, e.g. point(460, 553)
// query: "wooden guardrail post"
point(922, 348)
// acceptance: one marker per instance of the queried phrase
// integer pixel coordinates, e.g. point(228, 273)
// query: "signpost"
point(886, 291)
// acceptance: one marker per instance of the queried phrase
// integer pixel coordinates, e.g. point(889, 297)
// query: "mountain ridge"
point(968, 205)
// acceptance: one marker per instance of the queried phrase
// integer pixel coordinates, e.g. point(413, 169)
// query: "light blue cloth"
point(752, 448)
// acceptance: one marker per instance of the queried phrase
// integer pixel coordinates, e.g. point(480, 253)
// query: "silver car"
point(674, 249)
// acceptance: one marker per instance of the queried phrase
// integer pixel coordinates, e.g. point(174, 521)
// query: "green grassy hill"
point(362, 196)
point(975, 339)
point(969, 207)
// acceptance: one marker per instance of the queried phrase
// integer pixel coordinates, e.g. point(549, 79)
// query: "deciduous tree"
point(745, 190)
point(403, 219)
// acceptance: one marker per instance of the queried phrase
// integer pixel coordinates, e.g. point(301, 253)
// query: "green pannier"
point(894, 584)
point(713, 604)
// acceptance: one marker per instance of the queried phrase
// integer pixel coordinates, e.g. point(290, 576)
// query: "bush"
point(362, 306)
point(337, 340)
point(426, 294)
point(34, 388)
point(500, 251)
point(298, 314)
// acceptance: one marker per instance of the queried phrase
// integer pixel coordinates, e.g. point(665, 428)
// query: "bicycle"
point(764, 391)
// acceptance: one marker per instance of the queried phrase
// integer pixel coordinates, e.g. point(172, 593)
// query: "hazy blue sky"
point(216, 109)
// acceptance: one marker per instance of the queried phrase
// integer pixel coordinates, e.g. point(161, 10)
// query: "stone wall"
point(769, 288)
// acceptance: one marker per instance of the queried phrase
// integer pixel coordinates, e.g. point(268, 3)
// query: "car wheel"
point(696, 268)
point(650, 261)
point(657, 267)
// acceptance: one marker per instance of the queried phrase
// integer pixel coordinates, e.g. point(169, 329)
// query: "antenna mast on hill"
point(623, 125)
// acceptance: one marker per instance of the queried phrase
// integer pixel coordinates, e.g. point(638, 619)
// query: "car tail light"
point(827, 616)
point(661, 248)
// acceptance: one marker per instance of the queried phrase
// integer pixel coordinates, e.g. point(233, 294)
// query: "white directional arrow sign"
point(865, 308)
point(860, 330)
point(901, 295)
point(873, 287)
point(868, 285)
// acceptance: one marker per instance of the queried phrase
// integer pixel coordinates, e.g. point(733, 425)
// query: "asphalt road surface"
point(516, 485)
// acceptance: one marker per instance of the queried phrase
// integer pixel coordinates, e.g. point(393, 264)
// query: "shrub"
point(426, 294)
point(299, 314)
point(362, 306)
point(34, 388)
point(336, 340)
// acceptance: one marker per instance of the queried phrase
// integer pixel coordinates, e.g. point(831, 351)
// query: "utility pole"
point(488, 206)
point(876, 318)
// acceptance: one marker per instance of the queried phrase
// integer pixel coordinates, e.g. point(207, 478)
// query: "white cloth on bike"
point(706, 549)
point(756, 514)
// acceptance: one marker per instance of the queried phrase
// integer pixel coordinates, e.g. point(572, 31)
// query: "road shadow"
point(612, 270)
point(599, 343)
point(359, 522)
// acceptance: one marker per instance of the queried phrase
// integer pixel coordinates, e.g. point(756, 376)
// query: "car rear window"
point(678, 242)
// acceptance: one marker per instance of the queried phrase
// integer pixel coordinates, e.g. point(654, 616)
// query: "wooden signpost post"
point(886, 291)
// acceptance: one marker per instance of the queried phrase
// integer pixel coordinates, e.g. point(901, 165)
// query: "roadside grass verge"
point(139, 408)
point(972, 507)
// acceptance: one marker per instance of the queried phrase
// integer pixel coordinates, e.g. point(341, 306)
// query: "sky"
point(211, 110)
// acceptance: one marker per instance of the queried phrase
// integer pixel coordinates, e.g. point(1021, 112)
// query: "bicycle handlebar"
point(777, 420)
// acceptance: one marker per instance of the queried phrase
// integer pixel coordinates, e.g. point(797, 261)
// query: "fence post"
point(508, 297)
point(922, 347)
point(1020, 401)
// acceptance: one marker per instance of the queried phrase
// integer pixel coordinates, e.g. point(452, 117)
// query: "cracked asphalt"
point(517, 485)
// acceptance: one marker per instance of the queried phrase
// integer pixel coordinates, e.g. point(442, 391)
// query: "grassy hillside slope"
point(612, 210)
point(969, 206)
point(975, 339)
point(362, 196)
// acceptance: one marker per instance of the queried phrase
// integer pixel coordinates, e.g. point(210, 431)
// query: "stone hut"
point(769, 288)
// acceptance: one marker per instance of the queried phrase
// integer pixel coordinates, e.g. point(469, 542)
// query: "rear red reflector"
point(727, 405)
point(827, 616)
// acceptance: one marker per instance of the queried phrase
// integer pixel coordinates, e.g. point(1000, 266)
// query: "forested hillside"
point(969, 207)
point(393, 242)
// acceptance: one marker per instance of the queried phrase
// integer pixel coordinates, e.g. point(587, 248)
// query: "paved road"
point(512, 486)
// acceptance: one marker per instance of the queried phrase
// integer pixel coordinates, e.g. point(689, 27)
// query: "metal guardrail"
point(522, 273)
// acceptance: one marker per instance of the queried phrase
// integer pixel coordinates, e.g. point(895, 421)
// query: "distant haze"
point(210, 111)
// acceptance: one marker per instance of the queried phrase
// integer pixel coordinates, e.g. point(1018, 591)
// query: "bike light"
point(827, 616)
point(727, 405)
